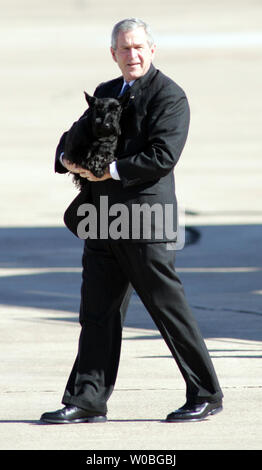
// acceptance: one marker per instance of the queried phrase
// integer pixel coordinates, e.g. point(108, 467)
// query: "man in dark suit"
point(154, 127)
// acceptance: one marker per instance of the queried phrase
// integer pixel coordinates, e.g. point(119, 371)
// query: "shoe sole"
point(90, 419)
point(190, 420)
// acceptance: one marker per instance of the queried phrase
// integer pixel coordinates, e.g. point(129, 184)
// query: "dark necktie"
point(126, 87)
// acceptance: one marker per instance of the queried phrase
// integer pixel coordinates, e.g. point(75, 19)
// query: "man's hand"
point(73, 168)
point(87, 174)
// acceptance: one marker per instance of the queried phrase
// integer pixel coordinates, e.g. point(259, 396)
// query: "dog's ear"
point(90, 99)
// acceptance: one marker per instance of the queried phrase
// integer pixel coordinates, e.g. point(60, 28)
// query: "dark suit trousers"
point(108, 270)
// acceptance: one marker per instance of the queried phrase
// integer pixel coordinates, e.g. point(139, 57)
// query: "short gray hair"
point(129, 24)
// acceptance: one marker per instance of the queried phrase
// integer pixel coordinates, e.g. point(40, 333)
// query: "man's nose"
point(132, 53)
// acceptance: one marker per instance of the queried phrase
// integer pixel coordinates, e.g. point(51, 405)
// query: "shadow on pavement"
point(221, 272)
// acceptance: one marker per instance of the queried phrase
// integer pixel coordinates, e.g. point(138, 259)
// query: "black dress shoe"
point(72, 414)
point(194, 412)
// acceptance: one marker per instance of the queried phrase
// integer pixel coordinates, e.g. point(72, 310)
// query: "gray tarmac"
point(50, 53)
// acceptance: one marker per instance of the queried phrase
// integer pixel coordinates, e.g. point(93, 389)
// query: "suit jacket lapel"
point(116, 88)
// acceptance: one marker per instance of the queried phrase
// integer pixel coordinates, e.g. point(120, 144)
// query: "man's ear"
point(113, 54)
point(90, 99)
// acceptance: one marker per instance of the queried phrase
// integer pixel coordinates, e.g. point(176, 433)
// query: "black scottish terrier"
point(92, 141)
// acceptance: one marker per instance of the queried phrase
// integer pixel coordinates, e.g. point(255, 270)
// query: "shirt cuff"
point(113, 171)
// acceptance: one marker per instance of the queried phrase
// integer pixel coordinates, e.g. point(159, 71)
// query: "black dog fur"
point(92, 141)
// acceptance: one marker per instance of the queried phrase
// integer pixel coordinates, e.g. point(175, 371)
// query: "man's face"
point(133, 53)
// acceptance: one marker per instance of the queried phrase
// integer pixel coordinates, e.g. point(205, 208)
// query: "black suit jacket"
point(154, 128)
